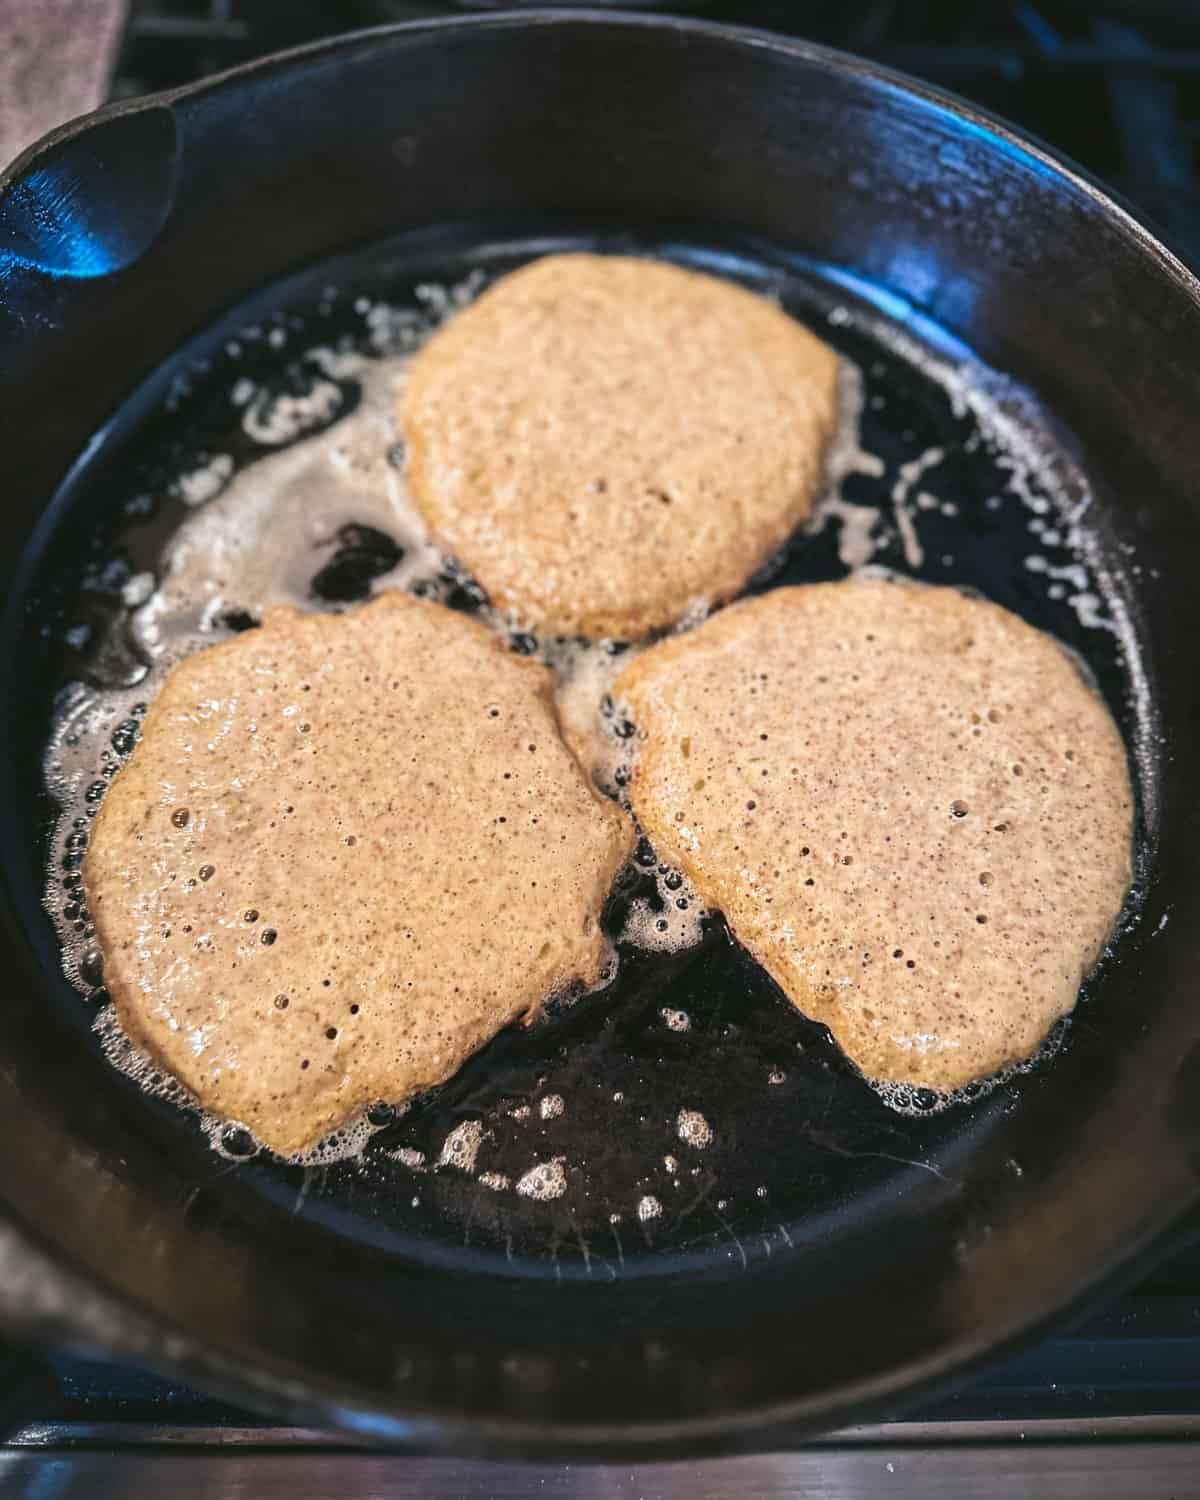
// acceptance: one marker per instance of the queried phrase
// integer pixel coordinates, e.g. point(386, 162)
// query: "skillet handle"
point(92, 197)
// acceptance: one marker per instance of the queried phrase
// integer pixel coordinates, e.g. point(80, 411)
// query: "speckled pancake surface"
point(910, 806)
point(604, 441)
point(346, 851)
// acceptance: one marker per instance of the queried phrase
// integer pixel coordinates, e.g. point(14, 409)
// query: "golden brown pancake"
point(605, 441)
point(346, 851)
point(911, 808)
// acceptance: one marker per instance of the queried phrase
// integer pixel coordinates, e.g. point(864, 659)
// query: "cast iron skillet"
point(888, 1252)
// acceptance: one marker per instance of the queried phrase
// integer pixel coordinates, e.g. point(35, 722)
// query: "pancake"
point(909, 805)
point(603, 442)
point(346, 851)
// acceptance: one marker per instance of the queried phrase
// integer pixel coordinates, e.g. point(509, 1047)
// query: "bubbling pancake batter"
point(604, 441)
point(346, 851)
point(911, 808)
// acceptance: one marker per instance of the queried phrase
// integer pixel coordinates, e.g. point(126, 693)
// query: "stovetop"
point(1117, 86)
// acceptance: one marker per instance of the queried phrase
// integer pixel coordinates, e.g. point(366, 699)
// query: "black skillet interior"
point(795, 1133)
point(823, 1250)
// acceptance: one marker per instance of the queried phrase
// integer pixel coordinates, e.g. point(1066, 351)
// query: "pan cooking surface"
point(687, 1114)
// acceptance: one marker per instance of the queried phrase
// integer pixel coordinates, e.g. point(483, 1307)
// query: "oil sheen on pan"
point(278, 476)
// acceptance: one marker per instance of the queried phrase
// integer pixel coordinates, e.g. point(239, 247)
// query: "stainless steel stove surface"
point(1111, 1404)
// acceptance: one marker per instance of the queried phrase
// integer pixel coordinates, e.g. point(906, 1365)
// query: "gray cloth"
point(56, 62)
